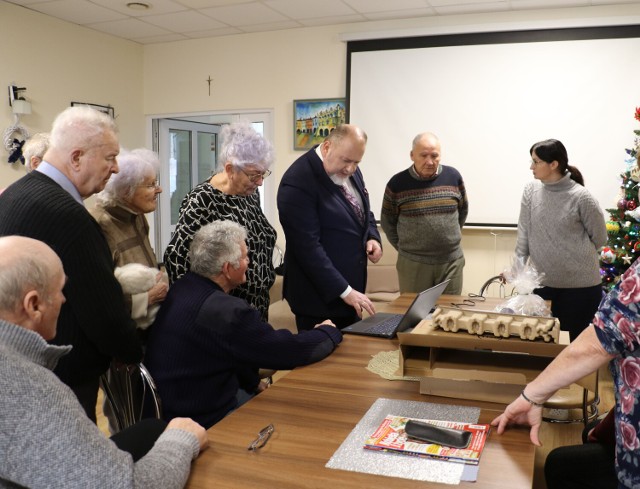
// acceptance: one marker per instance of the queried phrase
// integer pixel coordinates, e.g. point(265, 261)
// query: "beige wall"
point(487, 252)
point(270, 70)
point(59, 62)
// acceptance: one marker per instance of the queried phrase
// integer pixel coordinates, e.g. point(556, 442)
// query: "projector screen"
point(489, 97)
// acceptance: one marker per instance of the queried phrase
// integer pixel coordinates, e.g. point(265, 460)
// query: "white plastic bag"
point(524, 278)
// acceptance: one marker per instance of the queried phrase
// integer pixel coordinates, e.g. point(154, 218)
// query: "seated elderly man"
point(205, 344)
point(46, 440)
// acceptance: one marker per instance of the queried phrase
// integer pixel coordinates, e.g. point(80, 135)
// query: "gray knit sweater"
point(47, 441)
point(561, 227)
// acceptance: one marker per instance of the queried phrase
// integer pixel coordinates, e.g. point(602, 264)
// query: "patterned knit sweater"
point(205, 204)
point(94, 319)
point(561, 227)
point(47, 440)
point(423, 218)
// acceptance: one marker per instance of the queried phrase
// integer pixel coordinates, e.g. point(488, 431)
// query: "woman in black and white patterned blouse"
point(232, 194)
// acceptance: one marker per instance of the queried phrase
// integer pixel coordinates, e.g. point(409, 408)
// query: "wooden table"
point(314, 409)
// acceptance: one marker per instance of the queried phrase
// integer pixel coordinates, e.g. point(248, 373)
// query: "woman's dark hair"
point(553, 150)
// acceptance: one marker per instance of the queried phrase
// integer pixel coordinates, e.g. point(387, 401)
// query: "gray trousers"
point(416, 277)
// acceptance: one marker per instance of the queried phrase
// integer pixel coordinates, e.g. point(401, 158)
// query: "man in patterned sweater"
point(423, 211)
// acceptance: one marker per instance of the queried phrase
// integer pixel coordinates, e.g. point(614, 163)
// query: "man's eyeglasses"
point(254, 177)
point(262, 438)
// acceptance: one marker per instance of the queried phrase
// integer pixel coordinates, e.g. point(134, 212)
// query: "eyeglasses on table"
point(262, 438)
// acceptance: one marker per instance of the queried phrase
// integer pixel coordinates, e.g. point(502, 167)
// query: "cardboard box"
point(467, 366)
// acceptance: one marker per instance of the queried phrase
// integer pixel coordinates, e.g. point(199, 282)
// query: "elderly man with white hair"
point(47, 204)
point(207, 345)
point(45, 438)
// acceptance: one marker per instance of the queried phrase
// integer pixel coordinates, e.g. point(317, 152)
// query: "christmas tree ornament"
point(622, 204)
point(631, 205)
point(612, 227)
point(607, 255)
point(626, 259)
point(634, 214)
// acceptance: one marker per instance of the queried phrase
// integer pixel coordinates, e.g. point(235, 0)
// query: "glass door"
point(187, 152)
point(188, 146)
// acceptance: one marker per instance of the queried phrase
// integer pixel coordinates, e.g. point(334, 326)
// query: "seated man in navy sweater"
point(206, 345)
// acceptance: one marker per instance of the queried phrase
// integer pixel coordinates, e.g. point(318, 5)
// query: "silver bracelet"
point(533, 403)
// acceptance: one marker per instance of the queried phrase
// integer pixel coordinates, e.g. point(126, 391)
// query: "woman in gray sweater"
point(561, 228)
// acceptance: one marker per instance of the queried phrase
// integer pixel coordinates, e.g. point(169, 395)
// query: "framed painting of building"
point(314, 119)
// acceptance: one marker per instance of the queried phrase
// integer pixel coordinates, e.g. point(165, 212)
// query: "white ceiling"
point(174, 20)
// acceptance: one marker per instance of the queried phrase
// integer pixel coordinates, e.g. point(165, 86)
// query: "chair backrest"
point(495, 287)
point(131, 393)
point(584, 395)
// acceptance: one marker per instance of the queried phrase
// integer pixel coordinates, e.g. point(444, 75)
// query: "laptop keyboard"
point(385, 327)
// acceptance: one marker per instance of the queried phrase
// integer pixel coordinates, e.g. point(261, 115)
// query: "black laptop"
point(386, 325)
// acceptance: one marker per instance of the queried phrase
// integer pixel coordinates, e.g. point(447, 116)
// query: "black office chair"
point(131, 394)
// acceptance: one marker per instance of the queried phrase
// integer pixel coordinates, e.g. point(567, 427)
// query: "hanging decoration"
point(15, 135)
point(13, 139)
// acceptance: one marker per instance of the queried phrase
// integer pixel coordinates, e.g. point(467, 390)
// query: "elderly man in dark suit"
point(330, 231)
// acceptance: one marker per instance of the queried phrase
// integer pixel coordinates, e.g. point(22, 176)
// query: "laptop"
point(386, 325)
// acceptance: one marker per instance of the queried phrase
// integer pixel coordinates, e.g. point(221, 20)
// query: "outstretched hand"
point(520, 412)
point(359, 302)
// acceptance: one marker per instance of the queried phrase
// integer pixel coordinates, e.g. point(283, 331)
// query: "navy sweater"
point(94, 319)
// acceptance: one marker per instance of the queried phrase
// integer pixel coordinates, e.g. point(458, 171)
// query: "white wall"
point(270, 70)
point(59, 62)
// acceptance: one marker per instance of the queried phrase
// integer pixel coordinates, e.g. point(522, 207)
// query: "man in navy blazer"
point(330, 231)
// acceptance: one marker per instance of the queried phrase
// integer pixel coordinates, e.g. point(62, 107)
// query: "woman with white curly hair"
point(232, 194)
point(120, 210)
point(34, 149)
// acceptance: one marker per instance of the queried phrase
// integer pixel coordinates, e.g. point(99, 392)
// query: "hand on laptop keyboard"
point(359, 302)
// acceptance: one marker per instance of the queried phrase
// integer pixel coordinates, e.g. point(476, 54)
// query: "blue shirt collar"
point(61, 179)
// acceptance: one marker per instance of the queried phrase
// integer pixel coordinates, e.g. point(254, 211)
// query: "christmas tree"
point(623, 227)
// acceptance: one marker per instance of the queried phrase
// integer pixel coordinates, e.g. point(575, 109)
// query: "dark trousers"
point(139, 438)
point(588, 466)
point(87, 394)
point(305, 323)
point(574, 308)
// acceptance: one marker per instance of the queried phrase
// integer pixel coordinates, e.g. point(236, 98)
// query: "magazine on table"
point(392, 436)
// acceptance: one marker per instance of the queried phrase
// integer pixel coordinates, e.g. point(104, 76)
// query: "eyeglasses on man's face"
point(257, 176)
